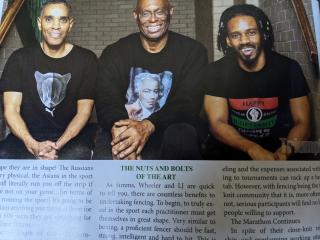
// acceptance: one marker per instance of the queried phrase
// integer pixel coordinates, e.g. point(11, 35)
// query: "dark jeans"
point(77, 148)
point(179, 141)
point(215, 150)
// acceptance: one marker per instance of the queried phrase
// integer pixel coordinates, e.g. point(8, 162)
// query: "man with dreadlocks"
point(254, 96)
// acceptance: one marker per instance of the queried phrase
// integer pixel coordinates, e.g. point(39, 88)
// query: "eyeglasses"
point(159, 14)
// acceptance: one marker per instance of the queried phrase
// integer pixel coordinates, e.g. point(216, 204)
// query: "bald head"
point(141, 3)
point(153, 19)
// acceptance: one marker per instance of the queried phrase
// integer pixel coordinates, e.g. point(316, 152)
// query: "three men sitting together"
point(148, 91)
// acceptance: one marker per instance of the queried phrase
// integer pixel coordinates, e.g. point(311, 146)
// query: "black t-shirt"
point(258, 101)
point(50, 87)
point(125, 88)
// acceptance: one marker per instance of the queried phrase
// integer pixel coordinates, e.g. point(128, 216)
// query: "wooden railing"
point(9, 17)
point(307, 31)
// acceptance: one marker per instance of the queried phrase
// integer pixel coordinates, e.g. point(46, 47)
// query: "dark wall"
point(290, 42)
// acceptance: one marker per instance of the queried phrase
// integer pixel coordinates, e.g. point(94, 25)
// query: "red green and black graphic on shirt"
point(254, 117)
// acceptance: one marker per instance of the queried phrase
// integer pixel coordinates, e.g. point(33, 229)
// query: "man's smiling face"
point(244, 38)
point(54, 24)
point(153, 18)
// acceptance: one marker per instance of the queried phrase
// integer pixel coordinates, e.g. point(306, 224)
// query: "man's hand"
point(45, 150)
point(133, 137)
point(116, 131)
point(256, 152)
point(287, 149)
point(282, 153)
point(48, 151)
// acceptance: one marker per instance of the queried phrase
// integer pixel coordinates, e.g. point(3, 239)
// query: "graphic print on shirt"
point(254, 117)
point(147, 92)
point(51, 88)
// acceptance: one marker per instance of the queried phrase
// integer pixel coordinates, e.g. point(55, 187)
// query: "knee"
point(7, 151)
point(180, 141)
point(81, 153)
point(180, 136)
point(102, 149)
point(75, 153)
point(4, 154)
point(181, 131)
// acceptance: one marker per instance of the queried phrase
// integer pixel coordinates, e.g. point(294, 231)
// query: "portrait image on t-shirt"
point(147, 92)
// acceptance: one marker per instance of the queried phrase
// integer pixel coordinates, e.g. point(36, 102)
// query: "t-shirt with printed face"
point(50, 87)
point(163, 87)
point(258, 101)
point(147, 92)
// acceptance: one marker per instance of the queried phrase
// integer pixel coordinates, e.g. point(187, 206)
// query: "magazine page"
point(159, 200)
point(166, 200)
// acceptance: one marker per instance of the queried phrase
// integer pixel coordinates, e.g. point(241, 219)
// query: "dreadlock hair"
point(262, 20)
point(48, 2)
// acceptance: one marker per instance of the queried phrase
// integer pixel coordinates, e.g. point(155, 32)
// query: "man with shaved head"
point(168, 132)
